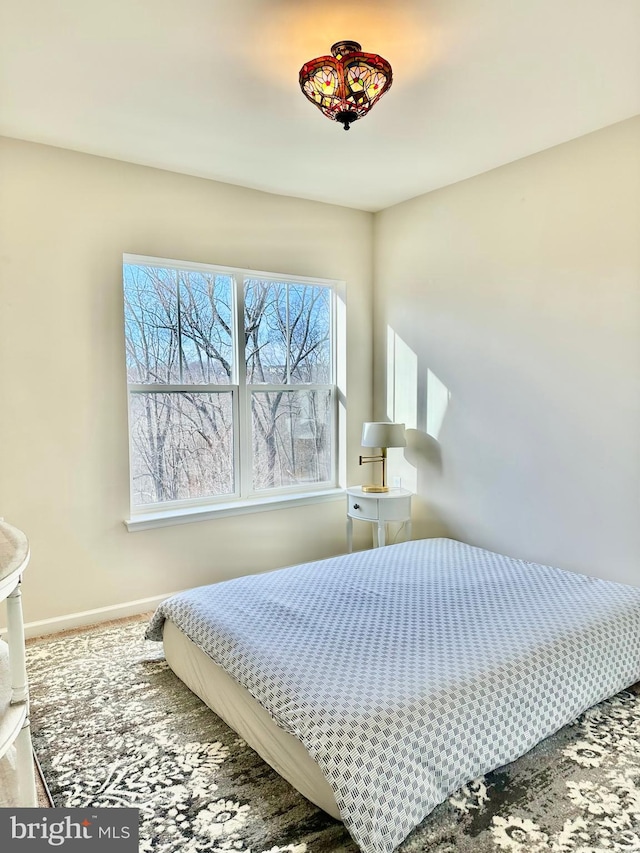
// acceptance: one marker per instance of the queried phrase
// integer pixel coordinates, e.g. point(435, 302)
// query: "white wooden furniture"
point(14, 694)
point(378, 508)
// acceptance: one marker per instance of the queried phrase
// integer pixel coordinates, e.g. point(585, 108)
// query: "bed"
point(378, 683)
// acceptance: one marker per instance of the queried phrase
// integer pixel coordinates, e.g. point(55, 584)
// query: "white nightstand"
point(378, 508)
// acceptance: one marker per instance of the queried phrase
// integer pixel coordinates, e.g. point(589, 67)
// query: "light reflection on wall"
point(402, 381)
point(438, 396)
point(417, 397)
point(402, 404)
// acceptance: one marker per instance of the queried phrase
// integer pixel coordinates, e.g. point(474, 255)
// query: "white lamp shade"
point(383, 435)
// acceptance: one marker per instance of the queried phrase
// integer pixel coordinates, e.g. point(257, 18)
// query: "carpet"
point(113, 726)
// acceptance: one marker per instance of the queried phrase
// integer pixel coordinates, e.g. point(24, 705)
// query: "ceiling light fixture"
point(346, 85)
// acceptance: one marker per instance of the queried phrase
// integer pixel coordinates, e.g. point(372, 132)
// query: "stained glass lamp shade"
point(346, 85)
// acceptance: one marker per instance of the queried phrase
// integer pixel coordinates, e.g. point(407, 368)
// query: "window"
point(231, 378)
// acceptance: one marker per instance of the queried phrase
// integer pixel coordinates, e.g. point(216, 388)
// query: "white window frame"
point(245, 498)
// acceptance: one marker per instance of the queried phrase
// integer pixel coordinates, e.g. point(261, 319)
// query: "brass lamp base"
point(376, 489)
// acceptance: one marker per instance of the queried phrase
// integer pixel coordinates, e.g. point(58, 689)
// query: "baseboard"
point(42, 789)
point(92, 617)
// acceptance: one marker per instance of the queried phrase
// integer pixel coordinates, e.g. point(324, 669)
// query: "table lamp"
point(382, 435)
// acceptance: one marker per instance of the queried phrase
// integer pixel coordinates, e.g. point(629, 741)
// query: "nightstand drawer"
point(366, 508)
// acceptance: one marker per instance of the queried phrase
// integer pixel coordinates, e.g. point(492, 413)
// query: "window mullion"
point(243, 433)
point(180, 357)
point(179, 389)
point(288, 379)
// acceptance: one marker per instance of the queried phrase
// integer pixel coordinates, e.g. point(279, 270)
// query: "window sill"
point(188, 515)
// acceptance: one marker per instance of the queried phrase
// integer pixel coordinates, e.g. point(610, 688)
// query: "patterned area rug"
point(113, 726)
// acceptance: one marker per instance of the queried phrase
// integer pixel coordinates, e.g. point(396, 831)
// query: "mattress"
point(409, 670)
point(237, 707)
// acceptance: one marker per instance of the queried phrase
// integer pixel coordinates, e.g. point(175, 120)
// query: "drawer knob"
point(356, 506)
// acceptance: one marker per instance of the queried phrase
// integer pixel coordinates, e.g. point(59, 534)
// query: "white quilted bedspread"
point(409, 670)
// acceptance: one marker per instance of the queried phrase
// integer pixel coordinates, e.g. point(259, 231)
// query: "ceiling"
point(210, 87)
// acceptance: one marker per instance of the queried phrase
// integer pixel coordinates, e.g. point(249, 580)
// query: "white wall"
point(507, 332)
point(65, 220)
